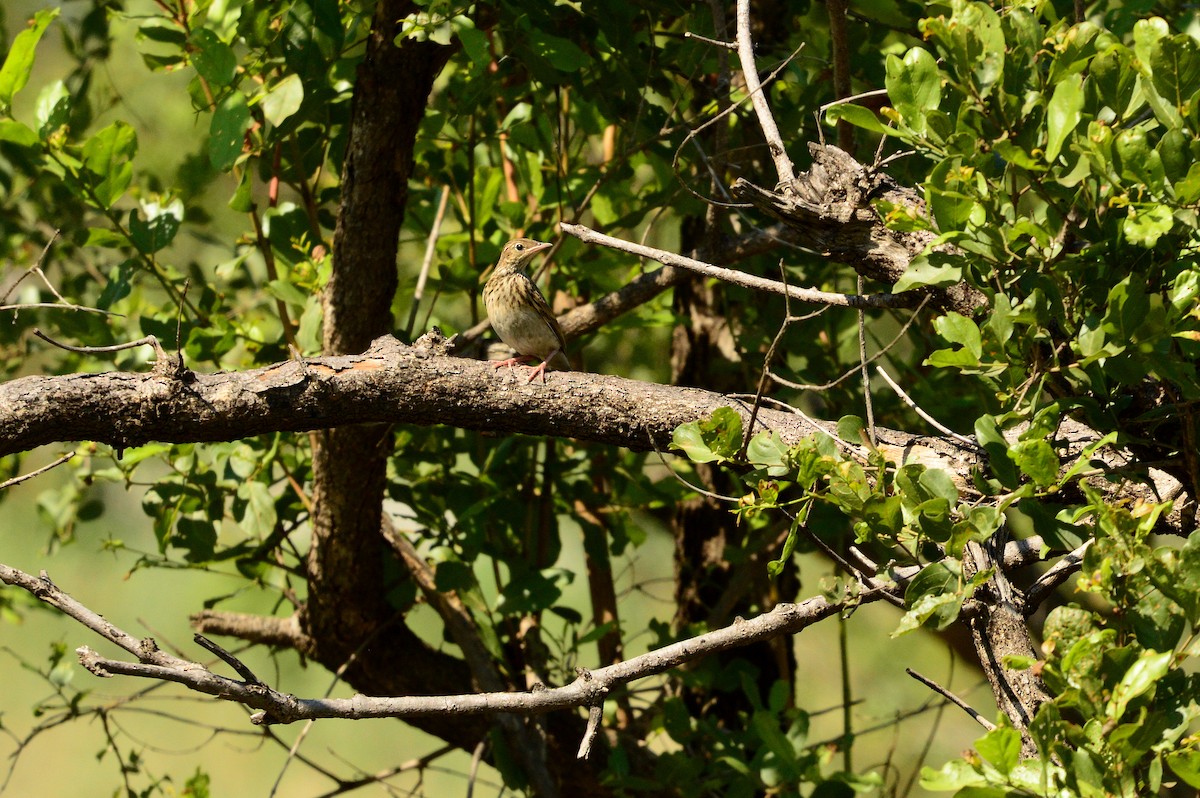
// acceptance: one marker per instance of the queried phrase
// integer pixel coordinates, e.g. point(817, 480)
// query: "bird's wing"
point(546, 313)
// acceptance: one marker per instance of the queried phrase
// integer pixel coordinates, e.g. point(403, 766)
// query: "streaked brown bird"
point(519, 313)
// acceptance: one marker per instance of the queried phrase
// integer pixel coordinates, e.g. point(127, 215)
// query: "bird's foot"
point(512, 361)
point(536, 370)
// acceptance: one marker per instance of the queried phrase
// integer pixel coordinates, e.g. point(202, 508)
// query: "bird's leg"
point(534, 372)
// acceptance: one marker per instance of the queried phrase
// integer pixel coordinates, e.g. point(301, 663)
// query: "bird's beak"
point(538, 247)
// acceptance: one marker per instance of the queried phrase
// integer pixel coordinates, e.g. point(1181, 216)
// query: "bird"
point(520, 314)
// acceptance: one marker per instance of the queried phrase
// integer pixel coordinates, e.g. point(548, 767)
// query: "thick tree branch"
point(830, 210)
point(389, 383)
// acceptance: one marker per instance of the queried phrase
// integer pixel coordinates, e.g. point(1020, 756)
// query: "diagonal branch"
point(754, 282)
point(766, 121)
point(275, 707)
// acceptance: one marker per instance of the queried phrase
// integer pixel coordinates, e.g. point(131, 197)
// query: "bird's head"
point(517, 253)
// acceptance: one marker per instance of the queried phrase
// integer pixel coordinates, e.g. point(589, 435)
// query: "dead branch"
point(751, 281)
point(275, 707)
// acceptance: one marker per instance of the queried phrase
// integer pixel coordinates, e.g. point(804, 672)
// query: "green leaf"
point(767, 450)
point(718, 437)
point(17, 133)
point(1001, 747)
point(259, 516)
point(958, 329)
point(1136, 160)
point(53, 108)
point(197, 537)
point(108, 155)
point(913, 86)
point(213, 59)
point(159, 227)
point(283, 100)
point(287, 292)
point(1115, 76)
point(229, 124)
point(987, 432)
point(1138, 680)
point(930, 269)
point(934, 597)
point(118, 286)
point(883, 515)
point(474, 41)
point(1175, 70)
point(1186, 765)
point(18, 64)
point(1037, 460)
point(243, 199)
point(956, 774)
point(563, 54)
point(851, 429)
point(940, 484)
point(1146, 223)
point(103, 237)
point(858, 116)
point(949, 192)
point(1063, 113)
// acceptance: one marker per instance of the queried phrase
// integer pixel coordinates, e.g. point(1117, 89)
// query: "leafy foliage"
point(1058, 162)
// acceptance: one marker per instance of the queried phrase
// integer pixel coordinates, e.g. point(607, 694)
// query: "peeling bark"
point(829, 208)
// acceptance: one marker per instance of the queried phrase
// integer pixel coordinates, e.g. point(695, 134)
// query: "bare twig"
point(783, 164)
point(19, 479)
point(430, 248)
point(276, 707)
point(855, 369)
point(149, 340)
point(942, 428)
point(1058, 573)
point(238, 666)
point(713, 42)
point(868, 402)
point(590, 236)
point(866, 95)
point(36, 268)
point(595, 714)
point(958, 702)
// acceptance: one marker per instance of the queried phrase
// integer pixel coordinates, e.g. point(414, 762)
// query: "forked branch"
point(588, 690)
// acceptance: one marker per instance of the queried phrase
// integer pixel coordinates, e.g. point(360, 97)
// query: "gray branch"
point(275, 707)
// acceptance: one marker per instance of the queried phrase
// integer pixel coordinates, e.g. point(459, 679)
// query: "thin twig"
point(276, 707)
point(696, 131)
point(942, 428)
point(590, 236)
point(868, 403)
point(239, 667)
point(1045, 584)
point(662, 458)
point(149, 340)
point(430, 249)
point(476, 758)
point(958, 702)
point(852, 371)
point(595, 714)
point(36, 268)
point(713, 42)
point(59, 306)
point(19, 479)
point(783, 164)
point(863, 96)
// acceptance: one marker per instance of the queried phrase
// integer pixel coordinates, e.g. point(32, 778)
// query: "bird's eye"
point(519, 247)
